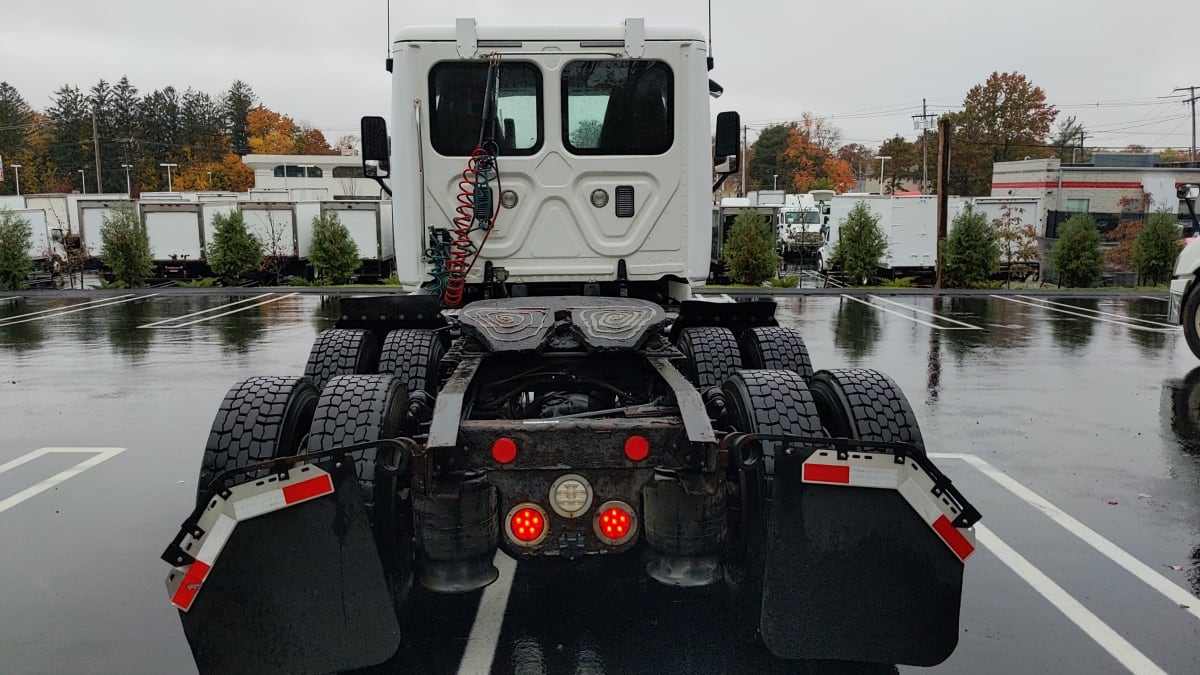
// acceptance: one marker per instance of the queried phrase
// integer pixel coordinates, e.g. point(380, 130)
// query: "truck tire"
point(866, 405)
point(767, 402)
point(341, 351)
point(776, 348)
point(360, 408)
point(712, 355)
point(1191, 321)
point(261, 418)
point(356, 409)
point(412, 355)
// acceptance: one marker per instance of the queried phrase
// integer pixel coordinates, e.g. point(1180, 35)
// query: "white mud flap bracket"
point(282, 574)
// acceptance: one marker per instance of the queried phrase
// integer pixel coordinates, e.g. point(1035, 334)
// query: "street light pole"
point(209, 180)
point(170, 185)
point(83, 180)
point(17, 173)
point(882, 159)
point(128, 184)
point(774, 181)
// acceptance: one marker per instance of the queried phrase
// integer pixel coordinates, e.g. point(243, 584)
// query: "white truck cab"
point(1184, 300)
point(597, 166)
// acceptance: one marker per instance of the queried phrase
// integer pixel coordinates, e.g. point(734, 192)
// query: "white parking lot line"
point(1154, 297)
point(489, 620)
point(905, 316)
point(232, 311)
point(64, 307)
point(1089, 623)
point(1107, 548)
point(1088, 316)
point(62, 311)
point(1096, 311)
point(99, 455)
point(204, 311)
point(14, 297)
point(910, 308)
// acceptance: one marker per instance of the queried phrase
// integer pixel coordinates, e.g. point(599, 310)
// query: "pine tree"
point(750, 250)
point(239, 101)
point(1076, 255)
point(1156, 247)
point(861, 244)
point(333, 252)
point(971, 252)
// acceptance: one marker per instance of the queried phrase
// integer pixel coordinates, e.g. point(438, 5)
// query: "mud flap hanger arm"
point(967, 516)
point(398, 458)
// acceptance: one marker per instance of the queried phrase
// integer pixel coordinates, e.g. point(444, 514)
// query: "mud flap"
point(864, 559)
point(282, 575)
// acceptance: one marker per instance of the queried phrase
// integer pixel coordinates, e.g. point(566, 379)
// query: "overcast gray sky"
point(867, 63)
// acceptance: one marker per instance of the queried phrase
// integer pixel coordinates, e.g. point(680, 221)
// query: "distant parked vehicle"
point(1185, 298)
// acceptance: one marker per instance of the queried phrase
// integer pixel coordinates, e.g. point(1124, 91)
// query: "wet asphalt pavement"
point(1088, 403)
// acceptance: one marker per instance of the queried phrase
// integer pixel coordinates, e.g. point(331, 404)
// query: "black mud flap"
point(859, 570)
point(296, 587)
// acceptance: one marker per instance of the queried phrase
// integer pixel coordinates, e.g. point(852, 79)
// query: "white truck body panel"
point(363, 221)
point(909, 222)
point(210, 210)
point(305, 213)
point(41, 245)
point(55, 207)
point(274, 223)
point(175, 231)
point(90, 218)
point(1029, 211)
point(386, 232)
point(554, 234)
point(12, 202)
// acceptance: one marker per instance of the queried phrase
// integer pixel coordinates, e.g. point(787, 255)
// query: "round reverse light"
point(570, 496)
point(508, 199)
point(599, 198)
point(614, 523)
point(504, 450)
point(526, 524)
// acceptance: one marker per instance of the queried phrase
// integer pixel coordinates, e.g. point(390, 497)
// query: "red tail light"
point(615, 522)
point(637, 448)
point(526, 524)
point(504, 450)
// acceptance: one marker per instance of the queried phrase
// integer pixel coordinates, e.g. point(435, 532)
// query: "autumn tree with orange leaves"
point(271, 133)
point(810, 156)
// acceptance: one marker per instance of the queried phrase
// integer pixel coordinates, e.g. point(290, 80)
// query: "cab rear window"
point(618, 107)
point(456, 94)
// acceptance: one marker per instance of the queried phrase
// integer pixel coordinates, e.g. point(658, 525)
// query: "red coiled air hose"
point(461, 246)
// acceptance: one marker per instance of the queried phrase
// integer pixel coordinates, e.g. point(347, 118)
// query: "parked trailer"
point(89, 218)
point(46, 248)
point(278, 226)
point(1024, 212)
point(366, 220)
point(177, 238)
point(909, 222)
point(723, 217)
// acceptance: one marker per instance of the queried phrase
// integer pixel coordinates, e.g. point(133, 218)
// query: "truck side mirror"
point(1189, 192)
point(375, 151)
point(725, 145)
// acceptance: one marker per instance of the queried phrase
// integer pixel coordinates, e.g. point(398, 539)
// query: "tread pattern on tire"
point(877, 409)
point(341, 351)
point(412, 355)
point(356, 409)
point(713, 352)
point(252, 422)
point(776, 348)
point(780, 404)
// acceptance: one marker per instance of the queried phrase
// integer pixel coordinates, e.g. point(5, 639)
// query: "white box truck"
point(908, 222)
point(176, 234)
point(366, 223)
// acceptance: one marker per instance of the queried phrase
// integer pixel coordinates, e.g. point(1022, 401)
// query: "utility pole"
point(1192, 101)
point(943, 191)
point(923, 123)
point(96, 146)
point(882, 159)
point(1082, 135)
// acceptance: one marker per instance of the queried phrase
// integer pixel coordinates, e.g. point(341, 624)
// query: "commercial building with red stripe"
point(1113, 187)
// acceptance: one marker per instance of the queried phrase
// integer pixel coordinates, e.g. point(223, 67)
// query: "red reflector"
point(186, 593)
point(504, 450)
point(615, 522)
point(637, 448)
point(827, 473)
point(313, 487)
point(527, 524)
point(953, 538)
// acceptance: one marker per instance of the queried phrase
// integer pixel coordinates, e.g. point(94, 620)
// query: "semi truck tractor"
point(545, 387)
point(1184, 307)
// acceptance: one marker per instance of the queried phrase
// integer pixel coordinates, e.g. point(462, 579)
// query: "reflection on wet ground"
point(1092, 403)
